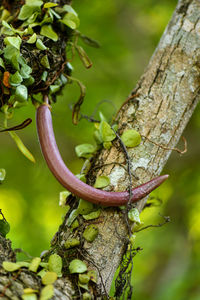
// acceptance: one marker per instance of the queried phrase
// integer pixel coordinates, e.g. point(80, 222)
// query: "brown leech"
point(70, 181)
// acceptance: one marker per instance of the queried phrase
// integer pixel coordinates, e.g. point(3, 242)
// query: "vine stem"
point(70, 181)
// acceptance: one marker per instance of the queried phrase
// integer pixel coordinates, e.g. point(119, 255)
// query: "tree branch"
point(166, 97)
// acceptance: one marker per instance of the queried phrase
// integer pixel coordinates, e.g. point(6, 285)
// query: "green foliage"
point(77, 266)
point(10, 266)
point(90, 233)
point(134, 215)
point(71, 242)
point(85, 150)
point(55, 264)
point(49, 278)
point(106, 132)
point(34, 265)
point(93, 215)
point(25, 58)
point(102, 182)
point(47, 292)
point(131, 138)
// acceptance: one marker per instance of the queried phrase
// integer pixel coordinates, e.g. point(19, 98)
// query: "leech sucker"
point(70, 181)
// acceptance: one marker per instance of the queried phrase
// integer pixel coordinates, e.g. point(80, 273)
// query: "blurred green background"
point(169, 265)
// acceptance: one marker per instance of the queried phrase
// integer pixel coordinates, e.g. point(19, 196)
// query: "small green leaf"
point(25, 12)
point(107, 145)
point(32, 39)
point(21, 146)
point(131, 138)
point(92, 215)
point(93, 275)
point(97, 137)
point(50, 4)
point(75, 225)
point(5, 15)
point(31, 20)
point(73, 215)
point(34, 265)
point(132, 239)
point(71, 242)
point(44, 264)
point(62, 198)
point(83, 278)
point(40, 45)
point(71, 20)
point(29, 297)
point(49, 278)
point(134, 215)
point(107, 134)
point(2, 63)
point(101, 182)
point(10, 266)
point(21, 93)
point(47, 292)
point(6, 25)
point(85, 207)
point(4, 227)
point(14, 60)
point(63, 79)
point(2, 174)
point(115, 127)
point(86, 296)
point(30, 30)
point(54, 88)
point(21, 60)
point(15, 79)
point(45, 62)
point(52, 13)
point(55, 264)
point(34, 3)
point(29, 81)
point(44, 76)
point(84, 57)
point(41, 273)
point(23, 264)
point(90, 233)
point(13, 41)
point(10, 52)
point(47, 31)
point(29, 291)
point(68, 8)
point(85, 150)
point(25, 71)
point(47, 20)
point(77, 266)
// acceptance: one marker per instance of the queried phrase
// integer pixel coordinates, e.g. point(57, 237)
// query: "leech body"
point(70, 181)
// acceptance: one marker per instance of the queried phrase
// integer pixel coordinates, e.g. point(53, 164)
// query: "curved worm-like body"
point(70, 181)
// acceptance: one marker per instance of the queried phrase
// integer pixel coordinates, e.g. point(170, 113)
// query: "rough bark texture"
point(166, 96)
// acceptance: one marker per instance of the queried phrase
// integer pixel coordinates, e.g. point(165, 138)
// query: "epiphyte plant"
point(38, 41)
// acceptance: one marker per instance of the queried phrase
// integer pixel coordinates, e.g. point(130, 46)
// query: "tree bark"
point(159, 108)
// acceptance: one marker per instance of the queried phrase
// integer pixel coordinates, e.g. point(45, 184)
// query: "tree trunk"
point(159, 108)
